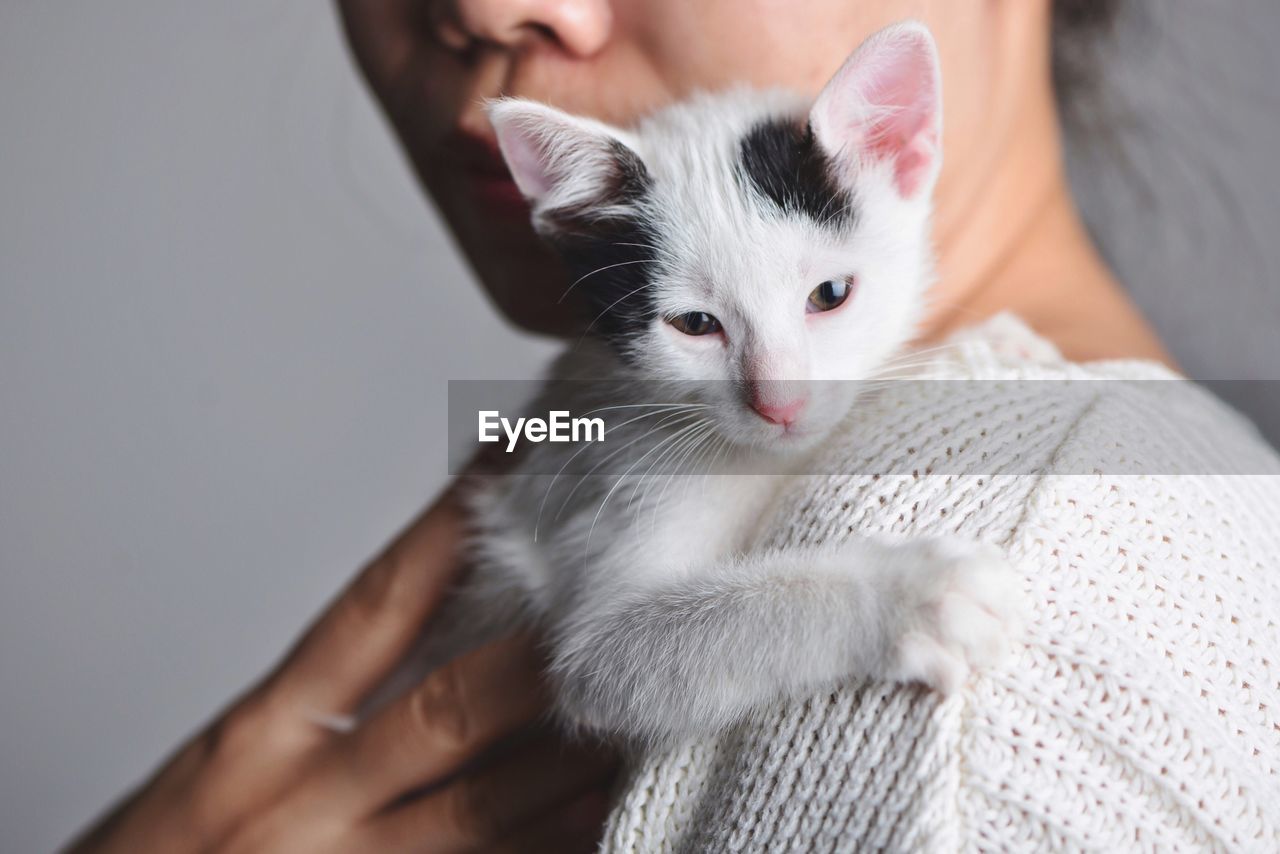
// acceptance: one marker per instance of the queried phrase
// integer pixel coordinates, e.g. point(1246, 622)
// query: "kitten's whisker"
point(586, 276)
point(661, 252)
point(648, 476)
point(586, 547)
point(700, 441)
point(923, 351)
point(687, 447)
point(915, 359)
point(898, 373)
point(691, 452)
point(638, 405)
point(537, 525)
point(643, 480)
point(712, 454)
point(677, 417)
point(901, 375)
point(610, 307)
point(646, 482)
point(672, 417)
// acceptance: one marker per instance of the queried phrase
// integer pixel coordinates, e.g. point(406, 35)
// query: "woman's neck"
point(1009, 238)
point(1055, 281)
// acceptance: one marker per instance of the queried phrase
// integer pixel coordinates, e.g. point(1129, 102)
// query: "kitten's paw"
point(964, 609)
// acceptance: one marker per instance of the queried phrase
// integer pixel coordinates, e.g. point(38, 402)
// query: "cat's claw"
point(967, 609)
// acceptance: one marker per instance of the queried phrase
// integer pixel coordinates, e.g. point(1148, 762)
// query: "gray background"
point(227, 318)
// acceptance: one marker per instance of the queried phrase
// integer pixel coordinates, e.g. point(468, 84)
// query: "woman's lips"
point(486, 173)
point(499, 193)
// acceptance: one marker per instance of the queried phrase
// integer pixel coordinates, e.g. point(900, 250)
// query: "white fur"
point(663, 617)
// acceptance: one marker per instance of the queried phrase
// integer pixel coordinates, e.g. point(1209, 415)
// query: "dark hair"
point(1080, 31)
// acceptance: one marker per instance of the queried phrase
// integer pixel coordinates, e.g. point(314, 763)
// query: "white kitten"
point(737, 248)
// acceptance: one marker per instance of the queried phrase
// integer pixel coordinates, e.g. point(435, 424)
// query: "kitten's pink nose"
point(778, 413)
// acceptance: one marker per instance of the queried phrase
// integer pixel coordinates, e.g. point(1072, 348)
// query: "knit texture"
point(1142, 708)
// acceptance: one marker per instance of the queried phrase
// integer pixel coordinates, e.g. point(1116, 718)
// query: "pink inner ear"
point(912, 164)
point(904, 88)
point(884, 104)
point(524, 158)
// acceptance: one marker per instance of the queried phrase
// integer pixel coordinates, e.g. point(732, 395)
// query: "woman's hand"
point(459, 763)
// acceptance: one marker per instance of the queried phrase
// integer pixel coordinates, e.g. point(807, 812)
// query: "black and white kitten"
point(764, 242)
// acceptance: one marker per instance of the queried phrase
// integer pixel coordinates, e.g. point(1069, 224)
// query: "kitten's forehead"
point(741, 156)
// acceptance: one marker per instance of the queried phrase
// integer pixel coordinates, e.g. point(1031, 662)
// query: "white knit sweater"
point(1143, 712)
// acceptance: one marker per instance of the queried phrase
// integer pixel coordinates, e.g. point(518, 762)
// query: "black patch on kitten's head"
point(609, 247)
point(782, 160)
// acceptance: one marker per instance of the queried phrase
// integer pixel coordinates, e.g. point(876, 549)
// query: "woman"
point(267, 775)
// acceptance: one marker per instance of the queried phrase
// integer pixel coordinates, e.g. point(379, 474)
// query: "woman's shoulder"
point(1110, 418)
point(1143, 706)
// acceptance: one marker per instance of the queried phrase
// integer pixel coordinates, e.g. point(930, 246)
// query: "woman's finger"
point(448, 720)
point(519, 797)
point(362, 635)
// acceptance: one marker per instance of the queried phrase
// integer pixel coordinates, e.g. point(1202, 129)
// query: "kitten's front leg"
point(699, 653)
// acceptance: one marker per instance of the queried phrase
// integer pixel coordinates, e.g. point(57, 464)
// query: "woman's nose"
point(580, 27)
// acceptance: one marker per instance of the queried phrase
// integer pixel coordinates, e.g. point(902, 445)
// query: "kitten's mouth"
point(794, 434)
point(787, 437)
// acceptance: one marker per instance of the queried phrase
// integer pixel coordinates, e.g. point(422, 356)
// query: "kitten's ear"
point(569, 168)
point(885, 104)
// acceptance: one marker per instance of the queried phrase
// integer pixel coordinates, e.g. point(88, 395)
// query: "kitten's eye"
point(828, 295)
point(695, 323)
